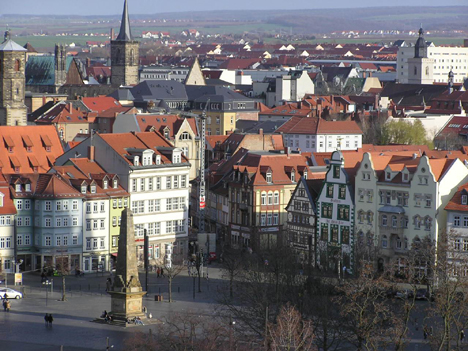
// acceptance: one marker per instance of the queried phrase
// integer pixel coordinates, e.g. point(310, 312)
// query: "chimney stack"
point(91, 153)
point(260, 131)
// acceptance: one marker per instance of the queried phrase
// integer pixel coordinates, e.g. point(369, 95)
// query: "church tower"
point(124, 54)
point(420, 67)
point(13, 111)
point(60, 68)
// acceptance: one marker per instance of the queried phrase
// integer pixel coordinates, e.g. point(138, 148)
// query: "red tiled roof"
point(455, 203)
point(41, 139)
point(62, 112)
point(338, 127)
point(100, 103)
point(8, 207)
point(239, 63)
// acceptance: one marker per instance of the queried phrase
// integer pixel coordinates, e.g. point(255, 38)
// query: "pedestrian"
point(462, 335)
point(425, 334)
point(150, 315)
point(43, 277)
point(8, 306)
point(145, 310)
point(46, 318)
point(4, 305)
point(162, 272)
point(51, 319)
point(158, 272)
point(108, 284)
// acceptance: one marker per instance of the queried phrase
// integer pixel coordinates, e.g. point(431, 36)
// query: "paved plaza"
point(23, 328)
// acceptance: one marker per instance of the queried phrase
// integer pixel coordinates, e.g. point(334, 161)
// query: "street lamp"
point(46, 284)
point(231, 325)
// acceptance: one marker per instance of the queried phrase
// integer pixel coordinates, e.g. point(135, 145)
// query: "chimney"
point(287, 150)
point(364, 74)
point(260, 131)
point(88, 62)
point(91, 153)
point(112, 35)
point(70, 107)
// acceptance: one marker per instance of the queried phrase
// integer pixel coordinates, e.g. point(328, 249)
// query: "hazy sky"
point(113, 7)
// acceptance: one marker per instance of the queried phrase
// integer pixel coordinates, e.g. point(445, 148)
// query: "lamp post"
point(46, 285)
point(231, 325)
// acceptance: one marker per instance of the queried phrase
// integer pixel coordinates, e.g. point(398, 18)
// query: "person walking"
point(462, 335)
point(162, 272)
point(46, 318)
point(51, 319)
point(158, 272)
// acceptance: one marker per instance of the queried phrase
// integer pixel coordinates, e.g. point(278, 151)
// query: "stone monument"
point(126, 291)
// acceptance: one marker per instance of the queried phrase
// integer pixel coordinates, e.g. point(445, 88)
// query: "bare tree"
point(172, 269)
point(233, 264)
point(291, 332)
point(63, 266)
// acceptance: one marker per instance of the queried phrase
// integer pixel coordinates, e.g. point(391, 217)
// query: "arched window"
point(384, 220)
point(263, 198)
point(276, 198)
point(61, 133)
point(394, 222)
point(270, 198)
point(17, 65)
point(185, 136)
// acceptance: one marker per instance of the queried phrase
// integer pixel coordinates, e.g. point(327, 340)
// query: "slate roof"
point(40, 70)
point(122, 94)
point(214, 93)
point(125, 33)
point(412, 94)
point(159, 90)
point(10, 45)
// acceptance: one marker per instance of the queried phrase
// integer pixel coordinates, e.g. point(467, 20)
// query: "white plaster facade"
point(323, 142)
point(440, 59)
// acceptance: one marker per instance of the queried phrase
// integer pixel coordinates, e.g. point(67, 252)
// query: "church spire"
point(125, 32)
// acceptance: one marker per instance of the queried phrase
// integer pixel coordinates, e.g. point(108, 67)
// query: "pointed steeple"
point(125, 33)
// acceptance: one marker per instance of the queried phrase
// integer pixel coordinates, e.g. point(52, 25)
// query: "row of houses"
point(63, 209)
point(332, 207)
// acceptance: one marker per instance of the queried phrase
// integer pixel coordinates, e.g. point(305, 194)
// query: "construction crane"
point(201, 121)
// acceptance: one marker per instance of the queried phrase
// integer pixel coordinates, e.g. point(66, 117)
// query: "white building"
point(7, 228)
point(433, 65)
point(293, 86)
point(401, 199)
point(178, 74)
point(156, 175)
point(313, 134)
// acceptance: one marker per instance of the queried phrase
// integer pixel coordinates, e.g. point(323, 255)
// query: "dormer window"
point(158, 159)
point(136, 161)
point(269, 177)
point(405, 177)
point(28, 187)
point(176, 157)
point(105, 184)
point(83, 189)
point(293, 176)
point(305, 175)
point(93, 189)
point(464, 199)
point(388, 175)
point(167, 133)
point(18, 188)
point(116, 183)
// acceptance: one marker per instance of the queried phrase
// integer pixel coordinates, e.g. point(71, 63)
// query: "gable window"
point(336, 171)
point(342, 193)
point(293, 176)
point(83, 189)
point(464, 199)
point(18, 188)
point(268, 177)
point(330, 190)
point(115, 183)
point(105, 184)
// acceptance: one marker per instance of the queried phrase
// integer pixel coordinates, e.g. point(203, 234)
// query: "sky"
point(114, 7)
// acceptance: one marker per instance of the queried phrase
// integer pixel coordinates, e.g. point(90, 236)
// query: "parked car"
point(404, 294)
point(11, 294)
point(422, 294)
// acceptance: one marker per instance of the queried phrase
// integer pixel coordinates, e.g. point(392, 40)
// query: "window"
point(394, 222)
point(65, 205)
point(398, 243)
point(58, 222)
point(75, 240)
point(95, 207)
point(88, 243)
point(115, 183)
point(465, 221)
point(361, 195)
point(428, 201)
point(58, 241)
point(168, 204)
point(342, 193)
point(102, 243)
point(142, 184)
point(19, 221)
point(268, 177)
point(115, 241)
point(324, 233)
point(103, 207)
point(93, 189)
point(65, 222)
point(183, 181)
point(88, 207)
point(384, 241)
point(336, 171)
point(158, 183)
point(263, 219)
point(327, 210)
point(169, 228)
point(150, 206)
point(276, 198)
point(27, 239)
point(370, 195)
point(150, 183)
point(95, 224)
point(120, 202)
point(83, 189)
point(19, 240)
point(114, 221)
point(134, 185)
point(65, 240)
point(27, 205)
point(464, 199)
point(263, 198)
point(168, 182)
point(269, 218)
point(157, 205)
point(58, 205)
point(330, 190)
point(270, 198)
point(343, 212)
point(176, 182)
point(75, 205)
point(275, 218)
point(74, 221)
point(456, 221)
point(345, 235)
point(48, 206)
point(88, 224)
point(384, 220)
point(417, 222)
point(101, 224)
point(114, 203)
point(334, 233)
point(48, 222)
point(293, 176)
point(48, 241)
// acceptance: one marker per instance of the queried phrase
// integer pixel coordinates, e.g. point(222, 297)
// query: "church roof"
point(40, 70)
point(10, 45)
point(125, 33)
